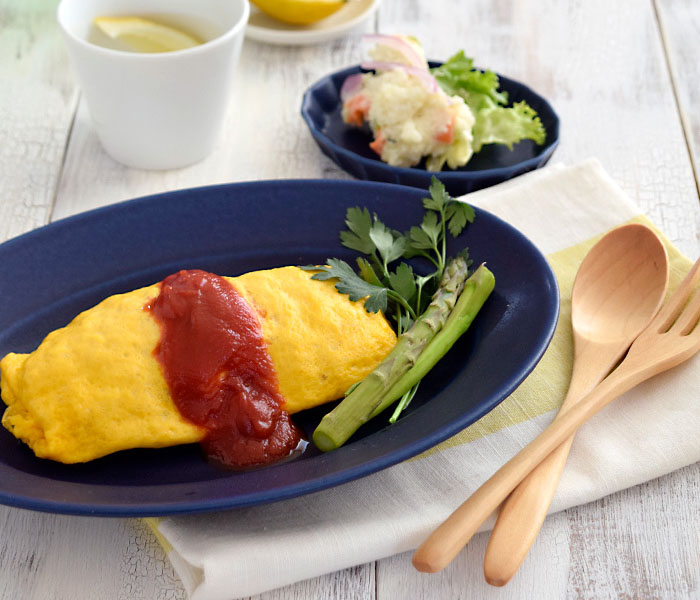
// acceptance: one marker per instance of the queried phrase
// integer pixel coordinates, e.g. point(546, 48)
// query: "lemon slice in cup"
point(299, 12)
point(143, 35)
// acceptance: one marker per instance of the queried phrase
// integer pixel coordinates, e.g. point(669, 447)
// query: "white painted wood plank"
point(641, 543)
point(680, 27)
point(65, 558)
point(37, 102)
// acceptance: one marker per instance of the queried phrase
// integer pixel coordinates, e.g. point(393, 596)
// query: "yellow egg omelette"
point(95, 387)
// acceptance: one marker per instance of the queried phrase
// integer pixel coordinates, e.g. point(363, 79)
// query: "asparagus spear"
point(476, 290)
point(408, 362)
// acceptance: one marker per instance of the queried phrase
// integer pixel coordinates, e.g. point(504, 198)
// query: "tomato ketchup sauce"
point(220, 375)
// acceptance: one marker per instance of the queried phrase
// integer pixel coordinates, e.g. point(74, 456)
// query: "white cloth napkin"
point(650, 431)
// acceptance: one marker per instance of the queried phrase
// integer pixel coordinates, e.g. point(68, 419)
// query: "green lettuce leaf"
point(495, 121)
point(500, 125)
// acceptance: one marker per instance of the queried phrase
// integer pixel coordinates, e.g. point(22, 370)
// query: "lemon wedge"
point(299, 12)
point(143, 35)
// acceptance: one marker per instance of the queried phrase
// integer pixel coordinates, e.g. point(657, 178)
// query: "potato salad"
point(409, 115)
point(443, 114)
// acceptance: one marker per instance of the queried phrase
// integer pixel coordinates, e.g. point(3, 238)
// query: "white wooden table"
point(623, 76)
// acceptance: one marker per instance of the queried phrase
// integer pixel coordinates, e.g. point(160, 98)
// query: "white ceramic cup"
point(164, 110)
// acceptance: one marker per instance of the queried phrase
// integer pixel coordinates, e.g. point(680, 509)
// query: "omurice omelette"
point(194, 358)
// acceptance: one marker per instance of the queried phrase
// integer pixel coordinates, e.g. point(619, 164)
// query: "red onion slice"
point(397, 43)
point(421, 74)
point(351, 86)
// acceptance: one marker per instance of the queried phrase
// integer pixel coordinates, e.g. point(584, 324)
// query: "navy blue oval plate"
point(49, 275)
point(349, 147)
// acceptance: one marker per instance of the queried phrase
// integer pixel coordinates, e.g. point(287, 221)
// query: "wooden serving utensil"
point(672, 337)
point(619, 287)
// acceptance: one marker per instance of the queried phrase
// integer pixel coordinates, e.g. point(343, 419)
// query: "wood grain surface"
point(623, 77)
point(38, 97)
point(679, 24)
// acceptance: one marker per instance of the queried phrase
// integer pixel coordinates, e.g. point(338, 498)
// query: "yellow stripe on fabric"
point(546, 387)
point(153, 523)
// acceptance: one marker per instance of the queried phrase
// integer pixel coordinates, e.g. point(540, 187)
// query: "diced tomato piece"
point(378, 144)
point(448, 133)
point(357, 109)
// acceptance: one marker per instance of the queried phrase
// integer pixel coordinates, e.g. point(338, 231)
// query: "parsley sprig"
point(399, 292)
point(432, 307)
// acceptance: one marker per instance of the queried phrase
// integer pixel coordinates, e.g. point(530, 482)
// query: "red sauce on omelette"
point(219, 372)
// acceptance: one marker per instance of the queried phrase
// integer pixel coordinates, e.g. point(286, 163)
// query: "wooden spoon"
point(618, 289)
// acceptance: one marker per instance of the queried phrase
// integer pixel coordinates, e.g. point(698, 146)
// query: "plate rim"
point(315, 36)
point(303, 487)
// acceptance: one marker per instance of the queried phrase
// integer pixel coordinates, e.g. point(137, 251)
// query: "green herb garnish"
point(400, 293)
point(430, 311)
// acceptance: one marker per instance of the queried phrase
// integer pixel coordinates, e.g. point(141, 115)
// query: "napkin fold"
point(646, 433)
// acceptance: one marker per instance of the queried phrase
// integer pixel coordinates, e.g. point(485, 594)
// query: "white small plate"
point(263, 28)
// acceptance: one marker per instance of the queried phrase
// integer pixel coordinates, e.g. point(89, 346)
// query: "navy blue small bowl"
point(349, 148)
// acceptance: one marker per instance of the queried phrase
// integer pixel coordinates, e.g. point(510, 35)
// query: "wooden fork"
point(671, 338)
